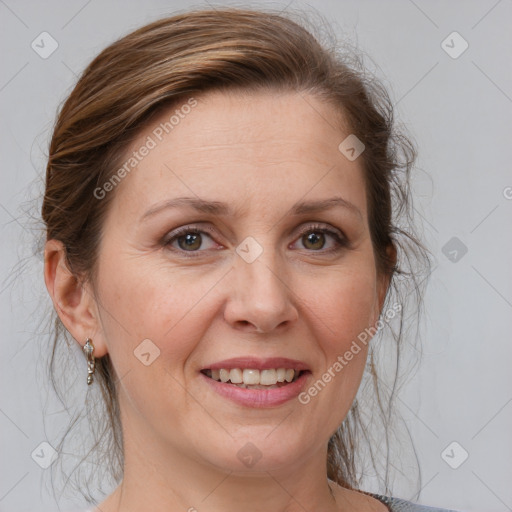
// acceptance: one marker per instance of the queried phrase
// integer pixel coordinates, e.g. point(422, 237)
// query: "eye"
point(193, 241)
point(189, 239)
point(316, 238)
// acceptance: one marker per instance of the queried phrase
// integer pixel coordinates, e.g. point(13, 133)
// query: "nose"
point(260, 300)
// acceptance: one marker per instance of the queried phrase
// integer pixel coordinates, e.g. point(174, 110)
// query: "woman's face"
point(241, 233)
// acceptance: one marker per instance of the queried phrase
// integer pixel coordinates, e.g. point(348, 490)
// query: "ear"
point(74, 301)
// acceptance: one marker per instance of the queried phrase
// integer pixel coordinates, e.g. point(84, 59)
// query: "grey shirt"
point(399, 505)
point(393, 504)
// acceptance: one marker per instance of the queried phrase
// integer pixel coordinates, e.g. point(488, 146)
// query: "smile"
point(251, 378)
point(257, 383)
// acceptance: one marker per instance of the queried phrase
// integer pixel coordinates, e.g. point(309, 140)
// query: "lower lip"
point(258, 398)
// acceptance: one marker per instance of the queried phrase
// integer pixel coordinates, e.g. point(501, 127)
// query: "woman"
point(220, 240)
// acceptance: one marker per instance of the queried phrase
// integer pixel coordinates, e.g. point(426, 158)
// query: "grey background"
point(457, 109)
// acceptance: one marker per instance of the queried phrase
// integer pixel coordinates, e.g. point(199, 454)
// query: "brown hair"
point(163, 64)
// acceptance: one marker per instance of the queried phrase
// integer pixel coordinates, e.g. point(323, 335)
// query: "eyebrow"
point(219, 208)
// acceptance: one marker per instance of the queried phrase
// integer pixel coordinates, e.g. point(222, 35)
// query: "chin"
point(265, 450)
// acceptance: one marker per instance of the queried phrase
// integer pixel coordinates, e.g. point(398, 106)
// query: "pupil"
point(315, 240)
point(191, 241)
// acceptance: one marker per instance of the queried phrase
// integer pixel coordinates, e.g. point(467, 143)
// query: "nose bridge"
point(259, 278)
point(262, 296)
point(263, 278)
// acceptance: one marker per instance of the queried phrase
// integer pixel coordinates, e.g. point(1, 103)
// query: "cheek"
point(150, 303)
point(341, 316)
point(153, 318)
point(344, 306)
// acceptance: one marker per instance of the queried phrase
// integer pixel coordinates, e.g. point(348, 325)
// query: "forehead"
point(266, 146)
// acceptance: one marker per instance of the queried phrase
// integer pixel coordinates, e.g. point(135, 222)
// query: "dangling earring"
point(91, 365)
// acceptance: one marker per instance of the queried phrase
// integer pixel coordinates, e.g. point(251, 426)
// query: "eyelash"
point(340, 240)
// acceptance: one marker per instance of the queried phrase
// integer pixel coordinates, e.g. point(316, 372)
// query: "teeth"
point(268, 377)
point(236, 376)
point(281, 373)
point(252, 377)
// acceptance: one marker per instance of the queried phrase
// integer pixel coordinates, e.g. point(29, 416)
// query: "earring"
point(91, 364)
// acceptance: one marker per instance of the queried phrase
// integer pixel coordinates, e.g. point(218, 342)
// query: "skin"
point(260, 153)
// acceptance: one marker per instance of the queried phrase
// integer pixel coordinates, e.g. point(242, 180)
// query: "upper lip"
point(257, 363)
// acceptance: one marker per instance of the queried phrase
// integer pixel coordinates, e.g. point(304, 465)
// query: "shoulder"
point(400, 505)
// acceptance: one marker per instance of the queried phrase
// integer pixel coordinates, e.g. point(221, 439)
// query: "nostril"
point(246, 325)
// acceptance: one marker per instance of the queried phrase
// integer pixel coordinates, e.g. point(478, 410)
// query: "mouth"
point(253, 378)
point(254, 382)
